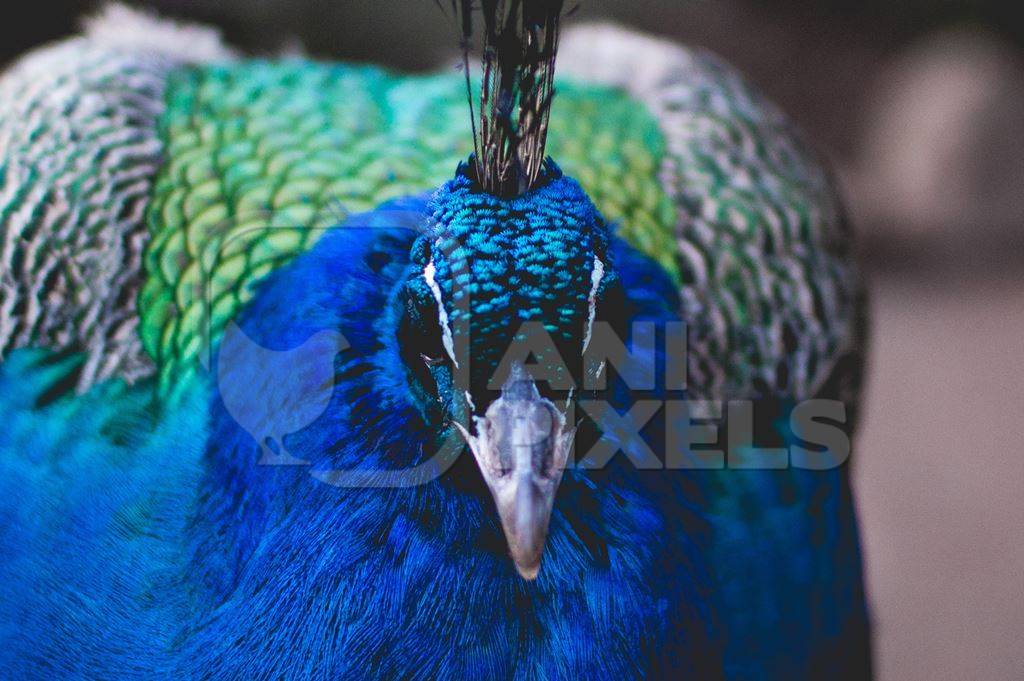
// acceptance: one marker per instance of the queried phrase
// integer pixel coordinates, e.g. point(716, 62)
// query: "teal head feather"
point(494, 265)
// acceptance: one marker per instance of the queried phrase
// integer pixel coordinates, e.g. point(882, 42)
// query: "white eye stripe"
point(442, 315)
point(596, 275)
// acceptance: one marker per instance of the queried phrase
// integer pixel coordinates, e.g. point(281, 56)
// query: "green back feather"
point(262, 156)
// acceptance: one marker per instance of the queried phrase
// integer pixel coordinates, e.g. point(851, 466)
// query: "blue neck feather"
point(416, 581)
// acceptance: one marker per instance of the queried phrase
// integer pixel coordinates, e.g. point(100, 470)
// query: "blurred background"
point(919, 105)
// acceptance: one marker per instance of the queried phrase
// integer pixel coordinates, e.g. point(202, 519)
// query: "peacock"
point(302, 376)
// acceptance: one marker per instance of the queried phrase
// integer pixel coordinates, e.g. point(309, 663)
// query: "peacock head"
point(506, 284)
point(497, 312)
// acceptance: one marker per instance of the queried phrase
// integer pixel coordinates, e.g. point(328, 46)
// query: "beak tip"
point(528, 572)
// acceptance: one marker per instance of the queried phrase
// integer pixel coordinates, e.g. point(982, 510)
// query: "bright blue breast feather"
point(128, 551)
point(417, 583)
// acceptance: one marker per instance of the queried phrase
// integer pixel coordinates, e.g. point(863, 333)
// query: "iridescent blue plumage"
point(329, 571)
point(266, 571)
point(96, 494)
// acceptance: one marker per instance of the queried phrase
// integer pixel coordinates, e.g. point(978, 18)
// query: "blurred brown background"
point(919, 105)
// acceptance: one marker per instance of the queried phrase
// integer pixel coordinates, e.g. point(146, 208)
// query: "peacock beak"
point(522, 445)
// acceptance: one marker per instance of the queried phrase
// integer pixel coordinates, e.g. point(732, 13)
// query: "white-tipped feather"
point(120, 26)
